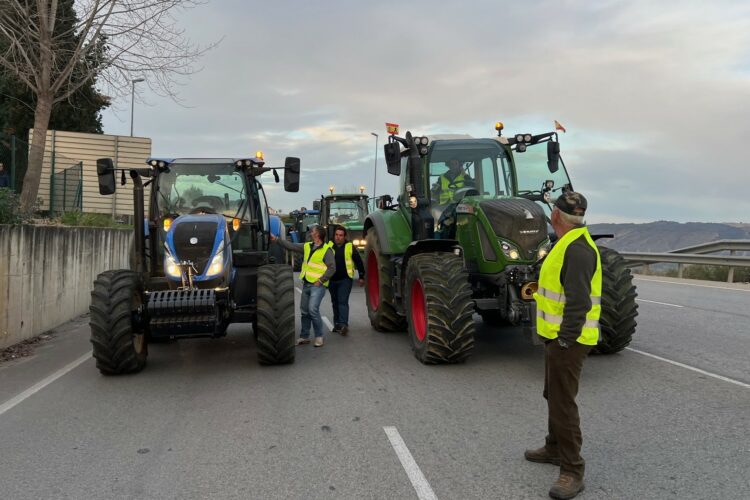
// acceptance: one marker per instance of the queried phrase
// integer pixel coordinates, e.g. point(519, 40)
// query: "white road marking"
point(418, 481)
point(298, 290)
point(655, 302)
point(44, 383)
point(328, 323)
point(696, 284)
point(698, 370)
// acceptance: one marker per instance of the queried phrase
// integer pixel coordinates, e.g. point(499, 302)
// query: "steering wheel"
point(215, 202)
point(203, 210)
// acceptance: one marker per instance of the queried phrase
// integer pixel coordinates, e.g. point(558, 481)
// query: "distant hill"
point(663, 236)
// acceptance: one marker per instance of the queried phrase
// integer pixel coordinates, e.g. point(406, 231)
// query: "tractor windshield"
point(189, 188)
point(347, 212)
point(532, 171)
point(480, 164)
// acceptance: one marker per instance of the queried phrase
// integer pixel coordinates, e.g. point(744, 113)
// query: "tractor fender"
point(392, 229)
point(427, 246)
point(277, 227)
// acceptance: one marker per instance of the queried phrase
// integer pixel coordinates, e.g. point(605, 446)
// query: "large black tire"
point(119, 345)
point(379, 288)
point(275, 337)
point(619, 308)
point(439, 308)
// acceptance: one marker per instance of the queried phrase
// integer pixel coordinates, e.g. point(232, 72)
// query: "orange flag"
point(392, 128)
point(558, 126)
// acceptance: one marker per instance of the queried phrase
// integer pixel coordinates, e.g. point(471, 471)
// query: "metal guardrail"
point(697, 255)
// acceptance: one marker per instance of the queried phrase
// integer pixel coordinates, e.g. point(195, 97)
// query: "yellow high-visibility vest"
point(348, 249)
point(550, 298)
point(313, 268)
point(447, 187)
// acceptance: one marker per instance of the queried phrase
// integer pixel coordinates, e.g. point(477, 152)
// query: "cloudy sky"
point(655, 96)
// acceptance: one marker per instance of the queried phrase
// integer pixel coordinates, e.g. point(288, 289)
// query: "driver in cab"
point(451, 181)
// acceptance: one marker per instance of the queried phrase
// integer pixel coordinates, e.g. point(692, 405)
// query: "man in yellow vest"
point(568, 308)
point(318, 265)
point(341, 282)
point(450, 182)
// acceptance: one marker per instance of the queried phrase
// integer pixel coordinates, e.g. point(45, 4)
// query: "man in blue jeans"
point(341, 282)
point(318, 265)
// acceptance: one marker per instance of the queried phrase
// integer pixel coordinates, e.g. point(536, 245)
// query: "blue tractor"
point(200, 261)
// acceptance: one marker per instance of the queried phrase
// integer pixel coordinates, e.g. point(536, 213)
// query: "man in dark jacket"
point(568, 309)
point(347, 257)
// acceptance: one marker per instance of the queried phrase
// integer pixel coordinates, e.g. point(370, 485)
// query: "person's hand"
point(318, 283)
point(361, 282)
point(273, 238)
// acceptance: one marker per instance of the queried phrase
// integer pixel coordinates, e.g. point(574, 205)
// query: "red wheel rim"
point(418, 311)
point(373, 281)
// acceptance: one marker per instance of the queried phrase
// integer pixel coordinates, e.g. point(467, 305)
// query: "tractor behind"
point(348, 211)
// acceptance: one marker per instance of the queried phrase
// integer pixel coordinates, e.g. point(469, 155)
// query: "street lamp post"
point(132, 99)
point(375, 180)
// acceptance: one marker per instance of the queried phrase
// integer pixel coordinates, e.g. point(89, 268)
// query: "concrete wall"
point(47, 273)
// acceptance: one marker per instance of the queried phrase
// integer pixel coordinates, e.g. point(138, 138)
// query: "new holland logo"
point(193, 240)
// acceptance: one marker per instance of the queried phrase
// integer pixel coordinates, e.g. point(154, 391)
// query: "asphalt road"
point(204, 420)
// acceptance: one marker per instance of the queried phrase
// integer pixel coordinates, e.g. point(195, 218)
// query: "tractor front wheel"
point(379, 288)
point(619, 309)
point(120, 345)
point(439, 308)
point(274, 332)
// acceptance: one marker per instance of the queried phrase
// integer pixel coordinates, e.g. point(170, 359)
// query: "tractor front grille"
point(518, 220)
point(203, 234)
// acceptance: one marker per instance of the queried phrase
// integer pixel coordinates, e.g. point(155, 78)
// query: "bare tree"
point(115, 40)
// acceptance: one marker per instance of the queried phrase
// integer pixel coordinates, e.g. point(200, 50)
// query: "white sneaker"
point(318, 342)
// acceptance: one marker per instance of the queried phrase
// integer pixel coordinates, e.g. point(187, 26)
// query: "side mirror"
point(553, 156)
point(291, 174)
point(392, 152)
point(105, 171)
point(316, 205)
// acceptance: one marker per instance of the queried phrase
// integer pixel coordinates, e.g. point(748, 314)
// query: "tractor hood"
point(517, 219)
point(197, 238)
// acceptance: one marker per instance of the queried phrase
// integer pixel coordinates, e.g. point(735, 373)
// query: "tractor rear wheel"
point(379, 288)
point(120, 346)
point(439, 308)
point(619, 309)
point(275, 317)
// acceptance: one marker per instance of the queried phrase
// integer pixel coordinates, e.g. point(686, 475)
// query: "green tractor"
point(446, 249)
point(347, 210)
point(200, 261)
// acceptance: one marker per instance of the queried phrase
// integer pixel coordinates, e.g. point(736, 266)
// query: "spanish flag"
point(392, 128)
point(558, 126)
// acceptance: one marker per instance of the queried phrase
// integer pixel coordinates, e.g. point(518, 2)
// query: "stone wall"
point(47, 273)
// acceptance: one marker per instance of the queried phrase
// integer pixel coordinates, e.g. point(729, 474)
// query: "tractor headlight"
point(543, 250)
point(509, 250)
point(217, 264)
point(171, 267)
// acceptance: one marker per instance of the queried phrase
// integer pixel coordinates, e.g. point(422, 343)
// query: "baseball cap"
point(572, 203)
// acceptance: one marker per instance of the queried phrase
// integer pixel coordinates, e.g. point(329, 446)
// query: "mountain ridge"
point(665, 236)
